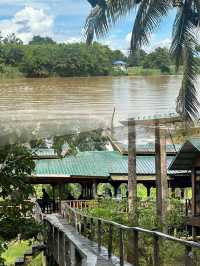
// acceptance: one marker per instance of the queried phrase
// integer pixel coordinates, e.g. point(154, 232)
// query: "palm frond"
point(148, 18)
point(197, 9)
point(183, 49)
point(187, 101)
point(104, 15)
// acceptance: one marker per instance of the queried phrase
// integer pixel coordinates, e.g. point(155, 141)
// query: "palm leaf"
point(187, 102)
point(104, 15)
point(183, 49)
point(148, 18)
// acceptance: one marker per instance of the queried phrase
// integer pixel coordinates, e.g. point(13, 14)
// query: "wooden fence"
point(102, 232)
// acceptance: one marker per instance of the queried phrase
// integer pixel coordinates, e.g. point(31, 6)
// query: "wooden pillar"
point(193, 192)
point(161, 174)
point(94, 190)
point(60, 195)
point(53, 196)
point(148, 191)
point(132, 177)
point(173, 192)
point(194, 230)
point(182, 193)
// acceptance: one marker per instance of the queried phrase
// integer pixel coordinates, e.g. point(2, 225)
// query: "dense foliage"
point(16, 164)
point(44, 58)
point(157, 59)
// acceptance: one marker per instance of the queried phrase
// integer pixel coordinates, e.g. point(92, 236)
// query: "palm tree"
point(105, 13)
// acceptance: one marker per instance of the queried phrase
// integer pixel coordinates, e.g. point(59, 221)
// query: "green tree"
point(16, 164)
point(150, 13)
point(11, 39)
point(38, 40)
point(160, 58)
point(136, 58)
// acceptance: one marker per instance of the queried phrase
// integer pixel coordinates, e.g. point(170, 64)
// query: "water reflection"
point(48, 107)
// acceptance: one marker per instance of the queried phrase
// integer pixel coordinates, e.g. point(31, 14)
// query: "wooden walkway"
point(94, 258)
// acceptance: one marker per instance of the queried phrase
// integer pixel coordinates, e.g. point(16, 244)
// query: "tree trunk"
point(132, 177)
point(161, 176)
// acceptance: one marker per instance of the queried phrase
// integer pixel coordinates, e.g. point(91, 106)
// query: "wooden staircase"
point(28, 255)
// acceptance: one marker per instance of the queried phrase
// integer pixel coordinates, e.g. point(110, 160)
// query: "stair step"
point(19, 261)
point(28, 253)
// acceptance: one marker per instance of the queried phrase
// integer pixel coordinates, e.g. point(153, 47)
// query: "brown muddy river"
point(49, 106)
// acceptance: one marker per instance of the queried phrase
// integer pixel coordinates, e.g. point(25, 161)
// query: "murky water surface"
point(49, 106)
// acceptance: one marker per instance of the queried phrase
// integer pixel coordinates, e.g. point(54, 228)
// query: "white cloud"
point(72, 40)
point(28, 22)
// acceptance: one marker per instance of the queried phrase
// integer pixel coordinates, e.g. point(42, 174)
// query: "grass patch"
point(8, 72)
point(14, 251)
point(37, 261)
point(140, 71)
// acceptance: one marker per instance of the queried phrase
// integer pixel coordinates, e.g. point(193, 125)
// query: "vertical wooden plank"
point(110, 235)
point(121, 247)
point(132, 175)
point(135, 248)
point(161, 173)
point(91, 229)
point(156, 261)
point(188, 256)
point(99, 235)
point(193, 192)
point(85, 226)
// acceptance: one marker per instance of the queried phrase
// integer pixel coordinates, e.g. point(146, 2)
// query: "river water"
point(62, 105)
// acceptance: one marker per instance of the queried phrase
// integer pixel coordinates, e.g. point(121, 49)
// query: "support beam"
point(94, 190)
point(132, 177)
point(173, 192)
point(161, 174)
point(148, 191)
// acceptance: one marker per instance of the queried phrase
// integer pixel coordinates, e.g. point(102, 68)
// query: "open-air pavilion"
point(92, 168)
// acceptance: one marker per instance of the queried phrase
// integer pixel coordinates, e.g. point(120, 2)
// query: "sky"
point(63, 20)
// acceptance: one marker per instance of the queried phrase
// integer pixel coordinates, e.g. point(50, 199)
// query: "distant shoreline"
point(14, 73)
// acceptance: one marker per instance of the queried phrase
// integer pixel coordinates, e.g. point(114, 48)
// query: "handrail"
point(90, 221)
point(138, 229)
point(61, 243)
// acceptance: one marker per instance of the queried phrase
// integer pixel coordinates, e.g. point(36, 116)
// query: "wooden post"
point(132, 177)
point(148, 191)
point(161, 174)
point(94, 190)
point(121, 247)
point(135, 243)
point(156, 261)
point(173, 192)
point(99, 235)
point(188, 256)
point(193, 192)
point(110, 241)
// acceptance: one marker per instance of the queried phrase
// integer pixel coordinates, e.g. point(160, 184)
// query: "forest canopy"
point(43, 57)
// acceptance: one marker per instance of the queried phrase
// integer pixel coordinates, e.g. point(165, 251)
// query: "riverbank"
point(140, 71)
point(9, 72)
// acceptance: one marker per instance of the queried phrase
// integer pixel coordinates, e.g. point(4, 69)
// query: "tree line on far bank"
point(43, 57)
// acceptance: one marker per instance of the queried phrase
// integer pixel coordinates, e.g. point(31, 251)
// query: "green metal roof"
point(44, 153)
point(150, 147)
point(184, 159)
point(95, 164)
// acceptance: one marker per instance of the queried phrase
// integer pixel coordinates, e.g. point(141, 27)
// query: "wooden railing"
point(103, 231)
point(81, 204)
point(64, 249)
